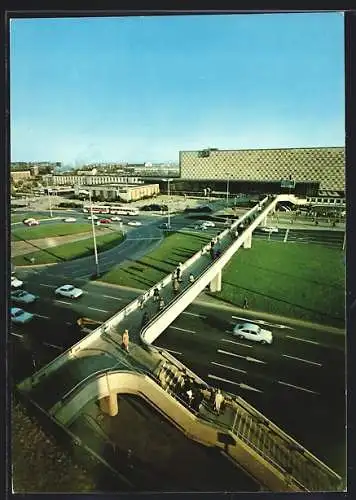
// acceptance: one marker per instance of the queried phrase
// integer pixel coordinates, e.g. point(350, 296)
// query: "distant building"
point(91, 180)
point(124, 192)
point(322, 165)
point(20, 175)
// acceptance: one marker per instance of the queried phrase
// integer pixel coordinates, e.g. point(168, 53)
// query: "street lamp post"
point(49, 199)
point(94, 237)
point(169, 194)
point(227, 189)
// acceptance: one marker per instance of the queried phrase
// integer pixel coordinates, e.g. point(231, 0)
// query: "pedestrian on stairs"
point(125, 340)
point(219, 398)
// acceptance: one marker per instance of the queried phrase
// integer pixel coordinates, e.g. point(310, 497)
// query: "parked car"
point(70, 219)
point(116, 218)
point(134, 223)
point(250, 331)
point(95, 217)
point(31, 222)
point(269, 229)
point(104, 221)
point(20, 316)
point(23, 297)
point(69, 291)
point(16, 283)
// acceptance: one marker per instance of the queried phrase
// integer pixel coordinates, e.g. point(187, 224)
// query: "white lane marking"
point(302, 340)
point(303, 360)
point(68, 323)
point(262, 322)
point(254, 360)
point(222, 379)
point(169, 350)
point(182, 329)
point(242, 386)
point(54, 346)
point(49, 286)
point(63, 302)
point(193, 314)
point(42, 316)
point(16, 335)
point(228, 367)
point(111, 297)
point(100, 310)
point(234, 342)
point(286, 236)
point(297, 387)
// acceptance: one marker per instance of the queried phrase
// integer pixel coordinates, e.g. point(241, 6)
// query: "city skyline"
point(134, 90)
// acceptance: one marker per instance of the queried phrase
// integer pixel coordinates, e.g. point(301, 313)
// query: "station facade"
point(320, 167)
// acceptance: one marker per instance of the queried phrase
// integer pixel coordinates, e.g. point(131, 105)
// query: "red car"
point(104, 221)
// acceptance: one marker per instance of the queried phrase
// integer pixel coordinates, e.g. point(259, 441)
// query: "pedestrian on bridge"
point(125, 340)
point(219, 398)
point(156, 295)
point(179, 272)
point(191, 278)
point(161, 304)
point(245, 303)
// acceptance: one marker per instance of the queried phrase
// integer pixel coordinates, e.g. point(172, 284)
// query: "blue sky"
point(143, 88)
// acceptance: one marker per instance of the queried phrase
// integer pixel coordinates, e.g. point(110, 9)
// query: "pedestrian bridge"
point(96, 368)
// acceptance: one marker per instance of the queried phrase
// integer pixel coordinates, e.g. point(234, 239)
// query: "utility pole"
point(227, 189)
point(49, 199)
point(169, 194)
point(94, 237)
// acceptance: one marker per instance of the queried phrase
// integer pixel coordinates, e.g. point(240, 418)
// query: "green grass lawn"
point(49, 230)
point(302, 281)
point(144, 273)
point(295, 280)
point(70, 251)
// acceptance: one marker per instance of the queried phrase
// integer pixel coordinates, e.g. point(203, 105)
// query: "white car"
point(250, 331)
point(16, 283)
point(70, 219)
point(69, 291)
point(134, 223)
point(114, 219)
point(269, 229)
point(20, 316)
point(23, 297)
point(31, 222)
point(208, 223)
point(94, 217)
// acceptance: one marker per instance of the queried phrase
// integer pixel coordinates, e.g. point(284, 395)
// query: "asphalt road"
point(298, 381)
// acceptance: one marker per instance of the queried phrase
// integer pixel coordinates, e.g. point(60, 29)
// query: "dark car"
point(104, 221)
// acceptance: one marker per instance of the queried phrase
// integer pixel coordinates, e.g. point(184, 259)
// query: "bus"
point(111, 209)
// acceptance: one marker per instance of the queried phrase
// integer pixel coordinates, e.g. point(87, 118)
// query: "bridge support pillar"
point(248, 241)
point(264, 222)
point(215, 283)
point(109, 404)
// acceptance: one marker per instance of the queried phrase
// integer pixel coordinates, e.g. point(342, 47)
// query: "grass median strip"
point(49, 231)
point(302, 281)
point(70, 251)
point(145, 272)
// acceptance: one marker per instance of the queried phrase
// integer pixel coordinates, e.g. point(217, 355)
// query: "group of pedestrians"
point(190, 392)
